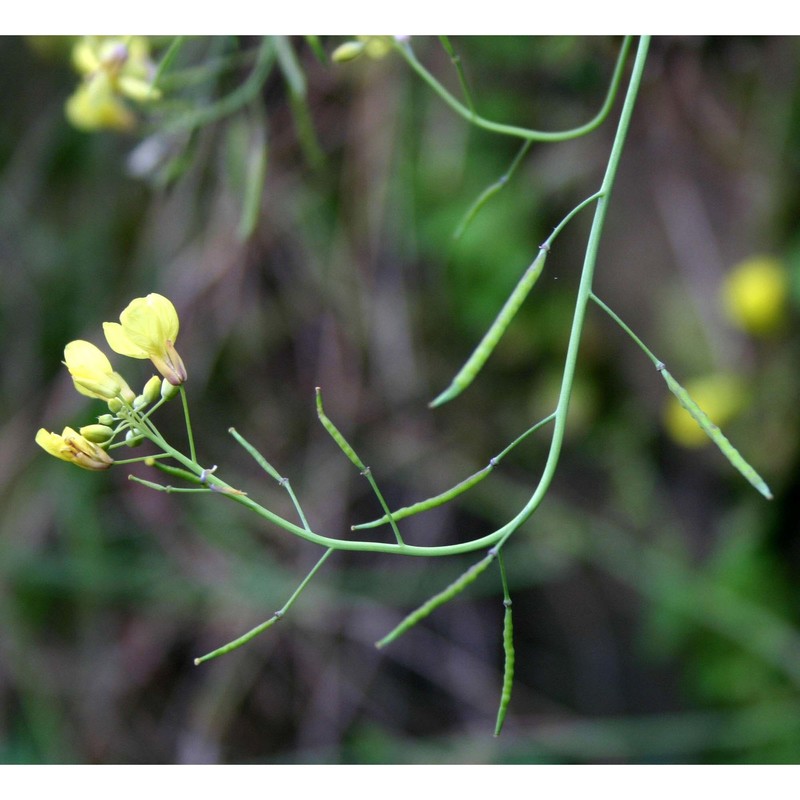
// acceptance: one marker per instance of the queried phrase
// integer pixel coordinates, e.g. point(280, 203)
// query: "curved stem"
point(514, 130)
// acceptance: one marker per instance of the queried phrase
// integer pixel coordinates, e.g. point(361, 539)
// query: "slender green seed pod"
point(459, 488)
point(508, 670)
point(175, 472)
point(482, 352)
point(351, 454)
point(715, 434)
point(237, 643)
point(431, 502)
point(259, 459)
point(490, 191)
point(277, 616)
point(440, 599)
point(336, 435)
point(270, 470)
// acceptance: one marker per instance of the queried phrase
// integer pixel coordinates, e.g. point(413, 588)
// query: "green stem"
point(167, 59)
point(186, 416)
point(455, 58)
point(237, 99)
point(584, 293)
point(160, 487)
point(513, 130)
point(645, 349)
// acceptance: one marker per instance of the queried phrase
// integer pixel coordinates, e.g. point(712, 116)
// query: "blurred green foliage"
point(655, 593)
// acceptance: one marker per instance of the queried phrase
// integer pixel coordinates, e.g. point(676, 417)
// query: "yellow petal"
point(137, 89)
point(84, 355)
point(150, 322)
point(94, 106)
point(53, 444)
point(148, 328)
point(85, 56)
point(119, 342)
point(73, 447)
point(91, 371)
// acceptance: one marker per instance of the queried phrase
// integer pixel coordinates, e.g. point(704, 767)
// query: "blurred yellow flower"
point(721, 396)
point(95, 105)
point(71, 446)
point(148, 328)
point(92, 373)
point(755, 294)
point(113, 68)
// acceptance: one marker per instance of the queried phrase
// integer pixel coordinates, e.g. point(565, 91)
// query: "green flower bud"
point(106, 419)
point(114, 405)
point(133, 438)
point(99, 434)
point(152, 390)
point(347, 52)
point(168, 390)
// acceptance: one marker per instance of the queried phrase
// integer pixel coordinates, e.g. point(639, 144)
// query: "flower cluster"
point(114, 70)
point(148, 328)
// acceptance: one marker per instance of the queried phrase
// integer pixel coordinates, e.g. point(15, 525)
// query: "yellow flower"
point(71, 446)
point(113, 68)
point(95, 105)
point(92, 373)
point(755, 294)
point(147, 328)
point(721, 396)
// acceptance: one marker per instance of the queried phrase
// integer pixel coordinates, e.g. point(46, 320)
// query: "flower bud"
point(347, 52)
point(152, 390)
point(114, 405)
point(99, 434)
point(133, 438)
point(168, 390)
point(106, 419)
